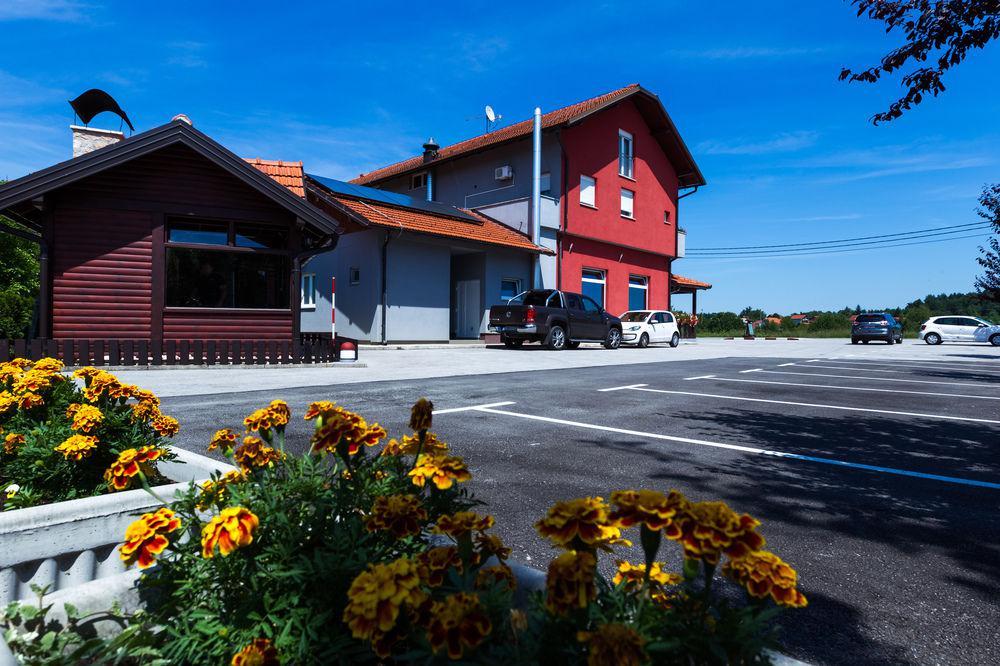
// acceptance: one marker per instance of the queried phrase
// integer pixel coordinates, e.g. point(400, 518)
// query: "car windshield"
point(634, 317)
point(869, 317)
point(987, 322)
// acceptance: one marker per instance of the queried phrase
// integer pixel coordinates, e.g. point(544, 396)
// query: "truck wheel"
point(557, 338)
point(891, 340)
point(644, 340)
point(614, 339)
point(675, 339)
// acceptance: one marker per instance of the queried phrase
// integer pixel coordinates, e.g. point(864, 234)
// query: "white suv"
point(954, 328)
point(642, 327)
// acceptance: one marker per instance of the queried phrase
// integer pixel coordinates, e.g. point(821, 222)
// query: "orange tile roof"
point(484, 230)
point(289, 174)
point(518, 130)
point(681, 281)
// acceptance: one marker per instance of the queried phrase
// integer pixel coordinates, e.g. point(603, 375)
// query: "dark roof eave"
point(64, 173)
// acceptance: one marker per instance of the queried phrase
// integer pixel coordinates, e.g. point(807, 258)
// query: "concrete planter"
point(66, 544)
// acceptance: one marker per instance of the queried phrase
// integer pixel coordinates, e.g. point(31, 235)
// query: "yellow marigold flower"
point(421, 415)
point(579, 523)
point(146, 538)
point(280, 413)
point(463, 522)
point(260, 652)
point(458, 623)
point(402, 515)
point(409, 444)
point(764, 574)
point(253, 452)
point(50, 365)
point(222, 439)
point(435, 563)
point(101, 383)
point(84, 417)
point(489, 545)
point(7, 401)
point(231, 529)
point(569, 583)
point(165, 426)
point(498, 574)
point(145, 410)
point(86, 372)
point(214, 492)
point(442, 471)
point(30, 401)
point(632, 576)
point(708, 529)
point(320, 408)
point(614, 644)
point(259, 420)
point(77, 447)
point(32, 381)
point(128, 465)
point(13, 369)
point(12, 441)
point(643, 507)
point(341, 427)
point(377, 595)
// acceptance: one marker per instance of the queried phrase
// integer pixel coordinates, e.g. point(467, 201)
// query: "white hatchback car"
point(951, 328)
point(644, 327)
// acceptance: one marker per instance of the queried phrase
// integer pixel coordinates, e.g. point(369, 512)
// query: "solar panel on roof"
point(391, 198)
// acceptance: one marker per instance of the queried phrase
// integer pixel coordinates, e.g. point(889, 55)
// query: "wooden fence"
point(98, 352)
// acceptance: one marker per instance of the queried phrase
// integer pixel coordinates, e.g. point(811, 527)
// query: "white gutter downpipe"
point(536, 194)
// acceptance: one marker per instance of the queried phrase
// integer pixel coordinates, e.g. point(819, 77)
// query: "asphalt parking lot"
point(875, 471)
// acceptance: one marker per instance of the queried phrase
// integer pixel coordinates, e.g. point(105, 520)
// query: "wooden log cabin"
point(167, 236)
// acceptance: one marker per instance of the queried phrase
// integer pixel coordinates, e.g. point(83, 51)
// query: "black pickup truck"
point(557, 319)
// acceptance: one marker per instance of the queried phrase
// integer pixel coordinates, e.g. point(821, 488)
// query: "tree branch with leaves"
point(988, 283)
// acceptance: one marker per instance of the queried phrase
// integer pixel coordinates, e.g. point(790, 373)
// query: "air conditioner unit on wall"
point(506, 172)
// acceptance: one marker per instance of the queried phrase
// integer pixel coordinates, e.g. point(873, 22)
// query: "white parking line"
point(855, 388)
point(908, 364)
point(743, 372)
point(785, 365)
point(944, 417)
point(453, 410)
point(737, 447)
point(620, 388)
point(852, 367)
point(874, 379)
point(687, 379)
point(943, 361)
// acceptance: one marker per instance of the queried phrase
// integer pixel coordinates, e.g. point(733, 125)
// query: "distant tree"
point(829, 321)
point(18, 281)
point(913, 316)
point(942, 31)
point(857, 309)
point(988, 283)
point(753, 314)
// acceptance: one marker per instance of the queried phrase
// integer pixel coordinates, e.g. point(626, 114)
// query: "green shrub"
point(16, 311)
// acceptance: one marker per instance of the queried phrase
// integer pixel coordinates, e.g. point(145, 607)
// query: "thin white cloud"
point(824, 218)
point(786, 142)
point(42, 10)
point(745, 52)
point(30, 145)
point(187, 54)
point(18, 92)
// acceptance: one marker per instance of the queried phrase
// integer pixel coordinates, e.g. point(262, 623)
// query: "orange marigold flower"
point(146, 538)
point(231, 529)
point(764, 574)
point(614, 644)
point(128, 465)
point(84, 417)
point(579, 523)
point(490, 545)
point(458, 623)
point(633, 576)
point(421, 415)
point(410, 444)
point(145, 410)
point(280, 413)
point(253, 452)
point(436, 562)
point(214, 492)
point(101, 383)
point(259, 420)
point(402, 515)
point(320, 408)
point(222, 439)
point(86, 372)
point(347, 429)
point(165, 426)
point(32, 381)
point(13, 369)
point(569, 583)
point(77, 447)
point(642, 507)
point(12, 441)
point(378, 594)
point(708, 529)
point(7, 401)
point(260, 652)
point(463, 522)
point(442, 471)
point(498, 574)
point(30, 401)
point(50, 365)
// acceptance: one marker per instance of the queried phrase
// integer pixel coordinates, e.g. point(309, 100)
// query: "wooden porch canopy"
point(684, 285)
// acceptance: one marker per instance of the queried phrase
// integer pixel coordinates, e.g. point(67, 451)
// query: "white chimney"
point(87, 139)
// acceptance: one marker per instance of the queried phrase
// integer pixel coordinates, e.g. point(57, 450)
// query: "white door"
point(468, 312)
point(658, 327)
point(967, 329)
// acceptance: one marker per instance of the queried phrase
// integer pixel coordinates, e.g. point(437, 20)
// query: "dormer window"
point(418, 181)
point(626, 149)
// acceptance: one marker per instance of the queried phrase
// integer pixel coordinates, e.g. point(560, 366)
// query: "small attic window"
point(418, 181)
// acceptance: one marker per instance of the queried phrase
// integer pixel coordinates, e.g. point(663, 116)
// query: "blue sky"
point(787, 149)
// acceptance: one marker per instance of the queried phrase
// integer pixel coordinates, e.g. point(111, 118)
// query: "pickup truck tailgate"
point(504, 315)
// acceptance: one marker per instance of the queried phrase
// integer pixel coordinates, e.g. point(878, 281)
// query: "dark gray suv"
point(876, 326)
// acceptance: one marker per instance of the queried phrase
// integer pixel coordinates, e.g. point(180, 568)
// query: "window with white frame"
point(638, 288)
point(626, 148)
point(309, 290)
point(418, 181)
point(509, 288)
point(628, 203)
point(593, 282)
point(588, 191)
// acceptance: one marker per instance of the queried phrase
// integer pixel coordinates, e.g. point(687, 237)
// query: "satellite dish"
point(490, 114)
point(95, 101)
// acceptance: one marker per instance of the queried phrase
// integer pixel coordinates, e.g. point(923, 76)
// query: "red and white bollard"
point(348, 351)
point(333, 308)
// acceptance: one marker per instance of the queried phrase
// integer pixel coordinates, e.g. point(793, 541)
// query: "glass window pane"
point(220, 279)
point(573, 302)
point(509, 289)
point(595, 291)
point(197, 231)
point(627, 202)
point(588, 186)
point(590, 305)
point(636, 298)
point(261, 236)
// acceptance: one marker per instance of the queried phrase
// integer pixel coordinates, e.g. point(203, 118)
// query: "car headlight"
point(633, 328)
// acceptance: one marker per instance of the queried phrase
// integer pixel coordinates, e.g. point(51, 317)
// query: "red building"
point(613, 168)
